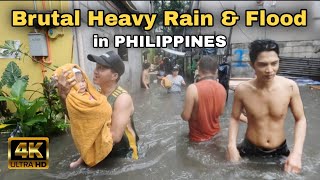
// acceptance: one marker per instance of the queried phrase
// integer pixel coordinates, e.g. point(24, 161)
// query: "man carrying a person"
point(109, 68)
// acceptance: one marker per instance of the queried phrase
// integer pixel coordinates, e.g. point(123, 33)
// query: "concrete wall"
point(130, 80)
point(60, 47)
point(293, 41)
point(242, 34)
point(302, 49)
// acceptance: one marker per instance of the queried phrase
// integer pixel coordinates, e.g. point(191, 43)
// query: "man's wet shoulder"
point(283, 81)
point(124, 97)
point(244, 87)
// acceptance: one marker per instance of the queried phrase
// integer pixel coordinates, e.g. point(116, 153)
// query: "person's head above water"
point(175, 70)
point(109, 60)
point(146, 65)
point(207, 65)
point(259, 46)
point(264, 56)
point(82, 84)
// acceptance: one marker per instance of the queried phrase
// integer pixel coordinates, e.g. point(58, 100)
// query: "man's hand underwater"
point(293, 163)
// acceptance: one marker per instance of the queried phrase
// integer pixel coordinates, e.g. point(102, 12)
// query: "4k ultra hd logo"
point(28, 153)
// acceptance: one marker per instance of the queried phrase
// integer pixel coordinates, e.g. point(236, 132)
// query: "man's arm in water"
point(293, 163)
point(189, 102)
point(122, 110)
point(232, 151)
point(243, 116)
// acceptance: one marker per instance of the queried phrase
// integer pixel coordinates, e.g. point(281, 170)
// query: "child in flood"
point(82, 84)
point(90, 118)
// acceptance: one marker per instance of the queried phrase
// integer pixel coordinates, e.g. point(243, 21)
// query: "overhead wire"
point(111, 4)
point(237, 25)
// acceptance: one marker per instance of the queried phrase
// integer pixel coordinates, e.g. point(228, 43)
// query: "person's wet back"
point(266, 100)
point(204, 102)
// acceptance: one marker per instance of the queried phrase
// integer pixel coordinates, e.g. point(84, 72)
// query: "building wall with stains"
point(60, 48)
point(130, 80)
point(296, 42)
point(288, 49)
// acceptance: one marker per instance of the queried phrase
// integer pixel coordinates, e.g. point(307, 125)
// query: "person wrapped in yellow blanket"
point(90, 118)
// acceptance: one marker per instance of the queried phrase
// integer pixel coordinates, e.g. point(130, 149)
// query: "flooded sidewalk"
point(166, 153)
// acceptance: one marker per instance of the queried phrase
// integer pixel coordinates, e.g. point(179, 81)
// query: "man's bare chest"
point(272, 104)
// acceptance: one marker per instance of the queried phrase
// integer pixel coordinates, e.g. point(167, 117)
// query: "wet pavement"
point(166, 153)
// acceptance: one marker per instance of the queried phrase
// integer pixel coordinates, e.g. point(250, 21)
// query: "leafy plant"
point(27, 111)
point(11, 74)
point(179, 6)
point(53, 108)
point(10, 49)
point(42, 116)
point(3, 108)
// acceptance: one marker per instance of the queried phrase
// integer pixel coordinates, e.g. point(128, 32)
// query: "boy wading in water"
point(266, 100)
point(145, 76)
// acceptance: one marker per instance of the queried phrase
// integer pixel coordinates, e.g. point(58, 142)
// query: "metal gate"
point(300, 67)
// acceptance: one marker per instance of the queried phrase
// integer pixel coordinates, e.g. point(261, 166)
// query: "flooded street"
point(166, 153)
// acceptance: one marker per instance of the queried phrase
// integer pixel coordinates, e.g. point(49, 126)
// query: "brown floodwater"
point(166, 153)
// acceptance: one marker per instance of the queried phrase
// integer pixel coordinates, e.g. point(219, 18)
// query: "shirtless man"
point(145, 76)
point(266, 100)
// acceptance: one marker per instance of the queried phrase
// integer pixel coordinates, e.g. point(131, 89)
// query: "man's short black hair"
point(146, 65)
point(258, 46)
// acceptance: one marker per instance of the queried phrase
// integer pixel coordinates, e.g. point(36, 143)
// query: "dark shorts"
point(123, 149)
point(247, 149)
point(121, 153)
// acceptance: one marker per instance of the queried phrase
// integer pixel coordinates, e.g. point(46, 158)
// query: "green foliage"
point(9, 48)
point(179, 6)
point(151, 55)
point(4, 112)
point(41, 116)
point(53, 108)
point(26, 113)
point(44, 116)
point(11, 74)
